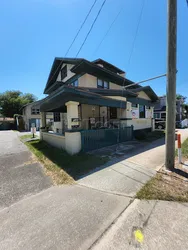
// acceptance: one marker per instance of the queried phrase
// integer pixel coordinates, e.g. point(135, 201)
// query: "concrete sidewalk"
point(148, 225)
point(129, 173)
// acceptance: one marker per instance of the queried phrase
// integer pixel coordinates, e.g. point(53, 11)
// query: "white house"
point(90, 107)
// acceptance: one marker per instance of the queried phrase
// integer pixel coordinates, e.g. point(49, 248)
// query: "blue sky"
point(33, 32)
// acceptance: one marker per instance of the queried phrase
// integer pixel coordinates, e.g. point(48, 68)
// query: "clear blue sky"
point(33, 32)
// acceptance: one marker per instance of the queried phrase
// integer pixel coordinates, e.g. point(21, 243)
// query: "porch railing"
point(99, 138)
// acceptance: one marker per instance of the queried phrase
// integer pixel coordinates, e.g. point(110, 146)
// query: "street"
point(99, 212)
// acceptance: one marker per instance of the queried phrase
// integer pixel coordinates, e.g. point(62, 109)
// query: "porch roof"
point(56, 101)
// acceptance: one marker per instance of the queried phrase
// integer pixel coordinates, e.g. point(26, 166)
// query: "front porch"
point(85, 120)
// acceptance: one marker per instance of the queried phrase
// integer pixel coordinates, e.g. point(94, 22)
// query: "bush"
point(140, 135)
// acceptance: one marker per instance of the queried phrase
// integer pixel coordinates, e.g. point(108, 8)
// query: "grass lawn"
point(26, 137)
point(171, 186)
point(62, 167)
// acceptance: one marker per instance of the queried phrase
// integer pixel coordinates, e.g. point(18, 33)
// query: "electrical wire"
point(80, 27)
point(75, 38)
point(130, 56)
point(87, 35)
point(116, 17)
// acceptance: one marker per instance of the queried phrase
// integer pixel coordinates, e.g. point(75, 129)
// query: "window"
point(106, 85)
point(75, 83)
point(35, 111)
point(113, 113)
point(163, 115)
point(157, 116)
point(134, 105)
point(142, 111)
point(102, 84)
point(63, 72)
point(57, 117)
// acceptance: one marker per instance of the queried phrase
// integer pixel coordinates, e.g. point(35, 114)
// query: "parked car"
point(159, 124)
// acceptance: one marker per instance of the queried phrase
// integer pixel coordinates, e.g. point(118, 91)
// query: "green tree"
point(12, 101)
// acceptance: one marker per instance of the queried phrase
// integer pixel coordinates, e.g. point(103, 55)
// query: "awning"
point(56, 101)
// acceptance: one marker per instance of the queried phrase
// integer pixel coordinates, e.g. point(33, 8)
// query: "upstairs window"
point(142, 113)
point(102, 84)
point(75, 83)
point(57, 117)
point(63, 72)
point(35, 111)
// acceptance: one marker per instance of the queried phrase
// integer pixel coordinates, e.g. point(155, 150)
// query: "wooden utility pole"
point(171, 84)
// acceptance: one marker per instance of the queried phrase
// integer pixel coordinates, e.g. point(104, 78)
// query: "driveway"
point(20, 175)
point(36, 215)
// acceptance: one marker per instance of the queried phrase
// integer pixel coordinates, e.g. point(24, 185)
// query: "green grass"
point(25, 137)
point(185, 148)
point(161, 187)
point(170, 187)
point(62, 167)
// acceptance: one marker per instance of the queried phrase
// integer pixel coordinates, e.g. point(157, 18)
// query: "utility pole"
point(171, 84)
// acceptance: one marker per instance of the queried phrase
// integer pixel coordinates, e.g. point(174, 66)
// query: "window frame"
point(35, 111)
point(73, 83)
point(143, 116)
point(102, 85)
point(57, 117)
point(63, 72)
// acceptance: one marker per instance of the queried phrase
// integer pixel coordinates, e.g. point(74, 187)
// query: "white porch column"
point(43, 123)
point(43, 119)
point(72, 112)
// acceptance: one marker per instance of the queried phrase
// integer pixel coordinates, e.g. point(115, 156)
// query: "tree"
point(12, 101)
point(181, 97)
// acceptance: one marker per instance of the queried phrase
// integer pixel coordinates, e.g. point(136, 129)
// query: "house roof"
point(56, 101)
point(148, 90)
point(108, 65)
point(85, 66)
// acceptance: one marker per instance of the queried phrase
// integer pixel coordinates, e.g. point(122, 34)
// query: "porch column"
point(72, 112)
point(43, 124)
point(43, 119)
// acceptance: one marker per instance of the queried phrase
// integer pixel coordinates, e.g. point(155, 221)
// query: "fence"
point(95, 139)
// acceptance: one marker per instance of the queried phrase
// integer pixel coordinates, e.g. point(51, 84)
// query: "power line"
point(74, 38)
point(129, 60)
point(138, 25)
point(81, 27)
point(91, 28)
point(116, 17)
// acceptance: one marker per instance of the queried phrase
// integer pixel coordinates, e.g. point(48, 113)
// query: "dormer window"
point(102, 84)
point(63, 72)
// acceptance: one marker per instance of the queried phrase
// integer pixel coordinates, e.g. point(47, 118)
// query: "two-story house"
point(86, 95)
point(31, 115)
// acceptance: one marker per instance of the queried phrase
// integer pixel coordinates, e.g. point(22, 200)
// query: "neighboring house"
point(160, 109)
point(31, 115)
point(86, 95)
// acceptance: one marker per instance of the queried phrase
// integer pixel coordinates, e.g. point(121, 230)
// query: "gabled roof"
point(148, 90)
point(85, 66)
point(108, 65)
point(56, 66)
